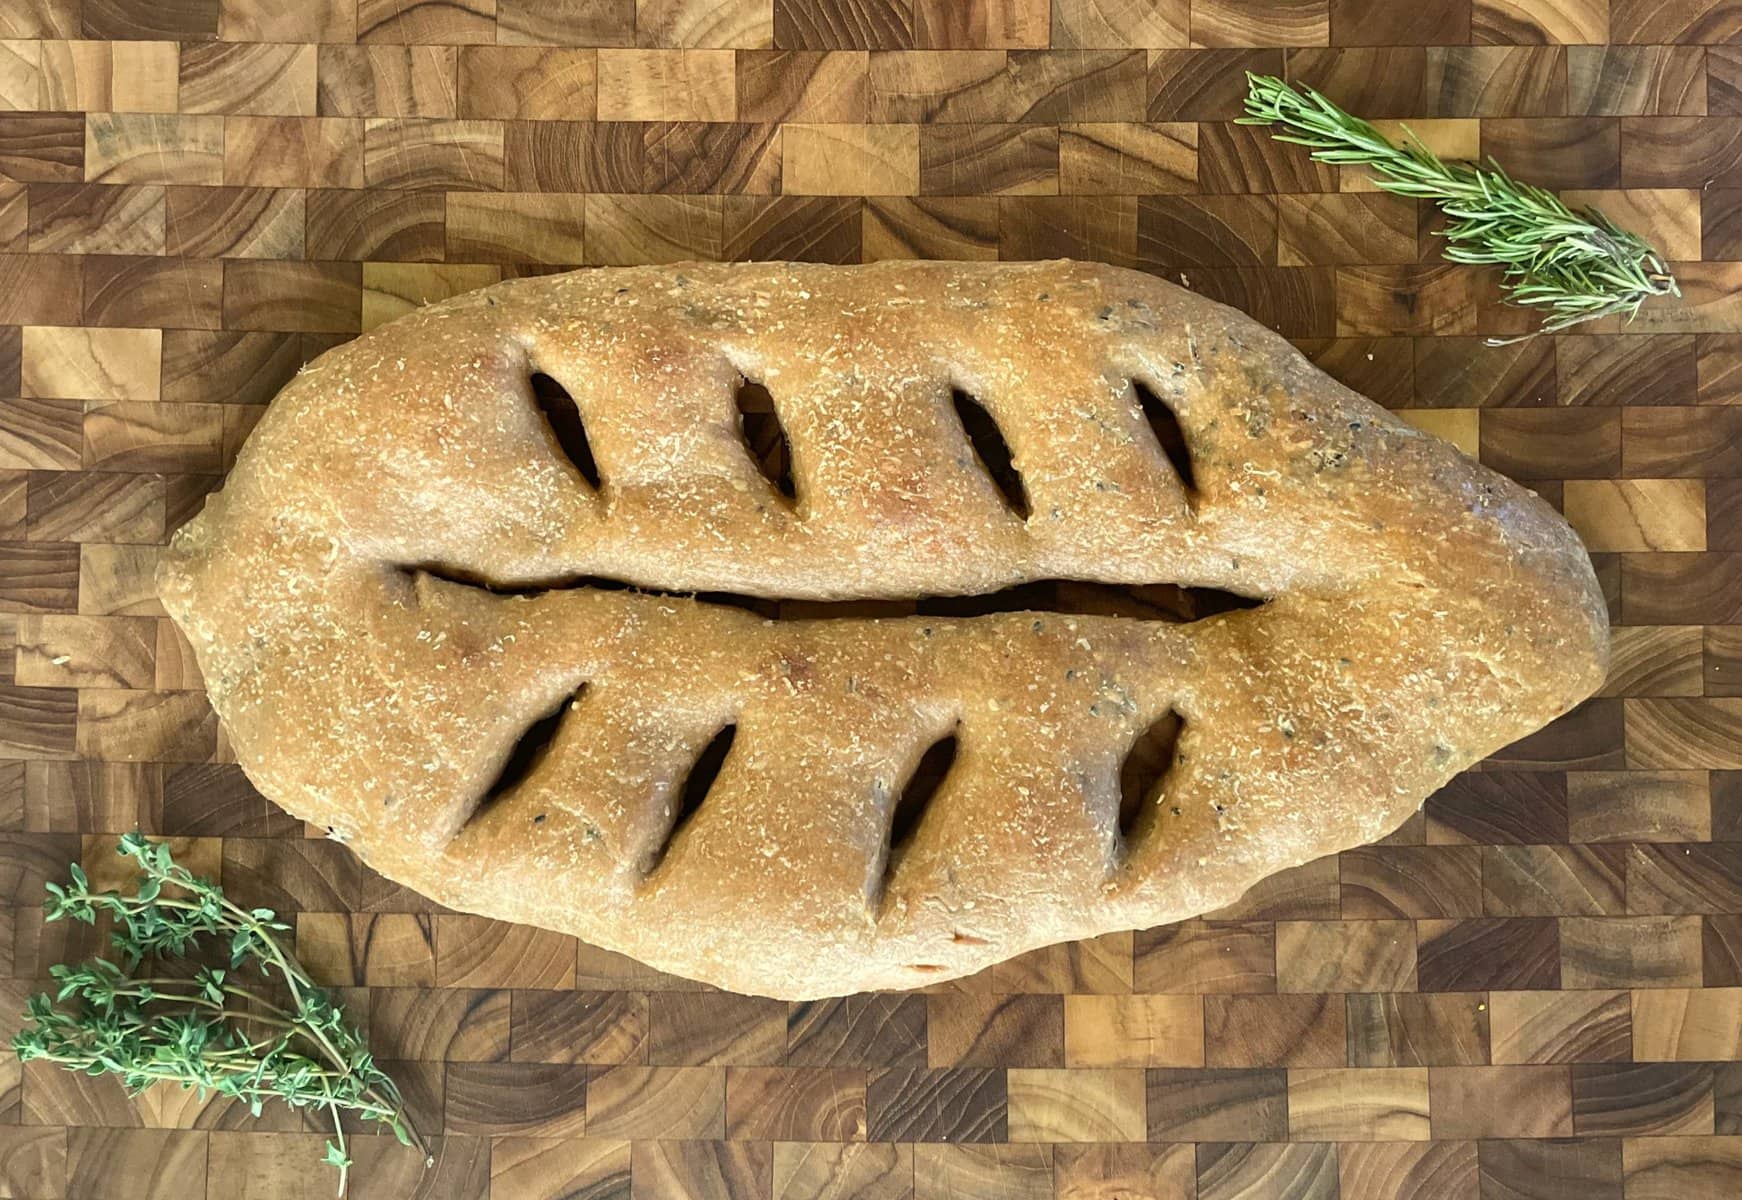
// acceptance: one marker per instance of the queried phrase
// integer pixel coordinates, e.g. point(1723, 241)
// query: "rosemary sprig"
point(1574, 265)
point(216, 1029)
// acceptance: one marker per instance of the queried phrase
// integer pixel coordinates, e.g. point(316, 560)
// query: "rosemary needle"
point(1573, 265)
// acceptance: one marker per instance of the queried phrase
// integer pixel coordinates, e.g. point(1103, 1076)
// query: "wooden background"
point(1533, 990)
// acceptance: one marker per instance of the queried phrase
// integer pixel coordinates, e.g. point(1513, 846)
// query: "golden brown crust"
point(1420, 612)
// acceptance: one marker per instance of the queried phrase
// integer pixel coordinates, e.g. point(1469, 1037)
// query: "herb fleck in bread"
point(409, 606)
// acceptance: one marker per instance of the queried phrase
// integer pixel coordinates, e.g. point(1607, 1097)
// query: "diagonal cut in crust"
point(807, 629)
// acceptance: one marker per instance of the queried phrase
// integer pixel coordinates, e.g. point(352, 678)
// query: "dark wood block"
point(1697, 152)
point(1183, 233)
point(476, 951)
point(795, 1104)
point(1684, 879)
point(439, 1025)
point(1558, 1169)
point(712, 156)
point(1297, 302)
point(1501, 1102)
point(237, 222)
point(1724, 515)
point(186, 293)
point(96, 507)
point(1308, 892)
point(97, 218)
point(1379, 368)
point(987, 159)
point(1642, 1099)
point(1495, 81)
point(1721, 223)
point(40, 289)
point(1585, 739)
point(965, 1029)
point(39, 577)
point(42, 147)
point(1553, 443)
point(1685, 731)
point(1632, 370)
point(349, 224)
point(952, 1104)
point(1097, 228)
point(311, 297)
point(1635, 81)
point(1023, 86)
point(290, 875)
point(1241, 158)
point(1375, 81)
point(1682, 589)
point(11, 359)
point(1274, 1031)
point(83, 797)
point(709, 1029)
point(1488, 954)
point(1203, 956)
point(1619, 952)
point(965, 227)
point(1411, 881)
point(843, 25)
point(1407, 1170)
point(1345, 956)
point(1724, 81)
point(1561, 1027)
point(1648, 806)
point(1499, 807)
point(1403, 1030)
point(1186, 1106)
point(1464, 372)
point(1727, 1098)
point(579, 1027)
point(1644, 22)
point(1301, 1171)
point(1418, 299)
point(1552, 881)
point(45, 434)
point(533, 1099)
point(1346, 228)
point(1687, 443)
point(857, 1031)
point(1726, 792)
point(1128, 157)
point(1204, 85)
point(216, 800)
point(575, 156)
point(1384, 23)
point(802, 85)
point(202, 367)
point(704, 1170)
point(1562, 152)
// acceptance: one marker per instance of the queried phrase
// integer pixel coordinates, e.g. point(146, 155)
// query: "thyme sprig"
point(1574, 265)
point(257, 1030)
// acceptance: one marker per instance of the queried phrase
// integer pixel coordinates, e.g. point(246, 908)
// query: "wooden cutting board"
point(1532, 989)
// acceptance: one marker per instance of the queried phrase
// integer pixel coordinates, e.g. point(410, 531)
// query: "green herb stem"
point(1575, 265)
point(203, 1030)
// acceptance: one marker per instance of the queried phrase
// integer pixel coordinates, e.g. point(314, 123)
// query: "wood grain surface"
point(1532, 989)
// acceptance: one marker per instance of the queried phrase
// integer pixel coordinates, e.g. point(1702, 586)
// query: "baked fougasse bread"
point(902, 709)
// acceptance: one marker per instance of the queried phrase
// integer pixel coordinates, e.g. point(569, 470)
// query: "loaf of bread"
point(806, 630)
